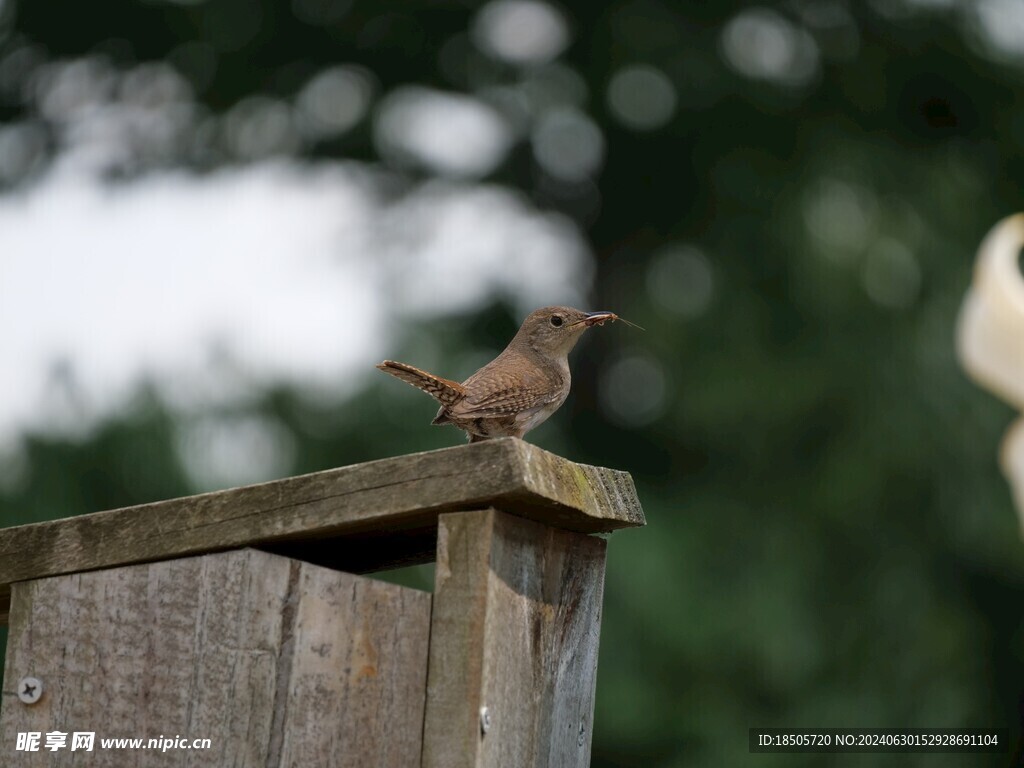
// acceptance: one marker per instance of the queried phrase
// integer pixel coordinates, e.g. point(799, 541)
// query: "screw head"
point(30, 689)
point(485, 720)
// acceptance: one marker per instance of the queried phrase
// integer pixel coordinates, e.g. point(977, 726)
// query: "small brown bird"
point(517, 390)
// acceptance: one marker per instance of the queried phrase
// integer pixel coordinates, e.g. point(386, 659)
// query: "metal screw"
point(29, 690)
point(485, 720)
point(582, 738)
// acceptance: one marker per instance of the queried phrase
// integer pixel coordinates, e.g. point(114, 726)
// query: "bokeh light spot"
point(641, 97)
point(260, 127)
point(154, 86)
point(531, 258)
point(17, 69)
point(840, 216)
point(334, 101)
point(1000, 24)
point(521, 31)
point(568, 144)
point(554, 85)
point(446, 132)
point(632, 391)
point(67, 89)
point(763, 45)
point(680, 280)
point(892, 277)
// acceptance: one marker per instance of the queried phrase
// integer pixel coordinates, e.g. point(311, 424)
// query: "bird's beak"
point(597, 318)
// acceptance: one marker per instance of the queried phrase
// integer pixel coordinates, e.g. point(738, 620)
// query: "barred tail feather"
point(445, 391)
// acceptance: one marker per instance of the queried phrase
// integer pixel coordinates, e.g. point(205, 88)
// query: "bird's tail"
point(445, 391)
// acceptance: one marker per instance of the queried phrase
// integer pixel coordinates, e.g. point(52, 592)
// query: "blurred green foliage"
point(829, 539)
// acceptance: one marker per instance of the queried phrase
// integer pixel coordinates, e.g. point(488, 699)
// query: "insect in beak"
point(599, 318)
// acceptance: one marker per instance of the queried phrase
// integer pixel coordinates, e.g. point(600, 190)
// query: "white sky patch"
point(534, 259)
point(117, 282)
point(284, 270)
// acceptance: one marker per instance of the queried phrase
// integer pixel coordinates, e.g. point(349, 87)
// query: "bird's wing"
point(505, 403)
point(490, 394)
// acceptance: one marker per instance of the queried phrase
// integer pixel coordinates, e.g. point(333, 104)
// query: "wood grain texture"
point(515, 629)
point(279, 663)
point(380, 497)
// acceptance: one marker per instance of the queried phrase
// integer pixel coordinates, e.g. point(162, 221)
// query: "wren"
point(521, 387)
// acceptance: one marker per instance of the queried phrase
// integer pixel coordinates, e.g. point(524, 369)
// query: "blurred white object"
point(1013, 462)
point(992, 321)
point(991, 334)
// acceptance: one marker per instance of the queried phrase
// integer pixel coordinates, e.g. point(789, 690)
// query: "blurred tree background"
point(787, 197)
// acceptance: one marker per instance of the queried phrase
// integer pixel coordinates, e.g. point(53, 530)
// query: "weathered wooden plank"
point(455, 677)
point(357, 685)
point(391, 495)
point(515, 628)
point(277, 662)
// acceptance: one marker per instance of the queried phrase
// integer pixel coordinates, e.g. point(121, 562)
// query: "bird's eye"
point(556, 320)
